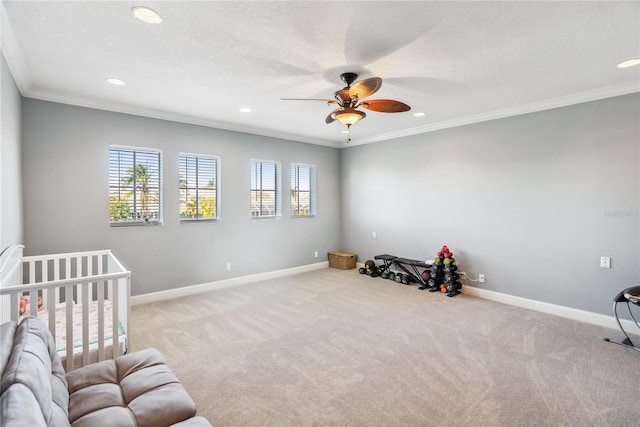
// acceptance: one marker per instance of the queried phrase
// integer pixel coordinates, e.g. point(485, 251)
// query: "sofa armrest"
point(33, 379)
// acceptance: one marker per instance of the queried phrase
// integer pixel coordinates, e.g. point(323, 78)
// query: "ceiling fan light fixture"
point(349, 116)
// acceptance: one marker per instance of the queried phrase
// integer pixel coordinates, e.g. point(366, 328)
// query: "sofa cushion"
point(137, 389)
point(34, 388)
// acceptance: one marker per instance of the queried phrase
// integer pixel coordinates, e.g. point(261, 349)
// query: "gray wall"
point(531, 201)
point(65, 158)
point(10, 165)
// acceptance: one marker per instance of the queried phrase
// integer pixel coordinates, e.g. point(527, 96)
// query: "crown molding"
point(16, 64)
point(593, 95)
point(11, 52)
point(173, 117)
point(564, 101)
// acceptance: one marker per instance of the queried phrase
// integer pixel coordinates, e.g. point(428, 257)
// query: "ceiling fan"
point(352, 96)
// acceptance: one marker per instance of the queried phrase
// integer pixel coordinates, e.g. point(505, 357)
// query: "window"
point(134, 186)
point(265, 189)
point(198, 183)
point(303, 190)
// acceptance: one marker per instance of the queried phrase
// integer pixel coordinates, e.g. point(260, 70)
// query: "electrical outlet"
point(228, 266)
point(481, 278)
point(605, 262)
point(374, 235)
point(315, 254)
point(463, 275)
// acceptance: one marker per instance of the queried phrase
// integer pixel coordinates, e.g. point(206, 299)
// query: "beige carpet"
point(335, 348)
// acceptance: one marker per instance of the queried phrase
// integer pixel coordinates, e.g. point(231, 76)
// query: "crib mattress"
point(61, 332)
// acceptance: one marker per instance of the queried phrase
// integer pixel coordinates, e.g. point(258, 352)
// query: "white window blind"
point(198, 183)
point(303, 190)
point(135, 186)
point(265, 189)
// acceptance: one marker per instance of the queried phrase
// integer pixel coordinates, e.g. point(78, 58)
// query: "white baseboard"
point(221, 284)
point(545, 307)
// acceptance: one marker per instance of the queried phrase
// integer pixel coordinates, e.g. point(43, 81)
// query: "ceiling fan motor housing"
point(348, 78)
point(343, 98)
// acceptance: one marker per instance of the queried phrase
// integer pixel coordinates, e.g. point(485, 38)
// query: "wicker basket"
point(342, 260)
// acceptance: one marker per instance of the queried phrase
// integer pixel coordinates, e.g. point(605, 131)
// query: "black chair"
point(629, 296)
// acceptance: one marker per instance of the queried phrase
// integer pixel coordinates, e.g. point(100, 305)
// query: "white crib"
point(82, 296)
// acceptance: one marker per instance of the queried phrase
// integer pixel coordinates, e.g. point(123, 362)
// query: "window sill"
point(134, 223)
point(196, 220)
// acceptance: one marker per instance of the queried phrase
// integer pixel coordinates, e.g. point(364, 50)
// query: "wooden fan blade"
point(385, 106)
point(330, 117)
point(365, 88)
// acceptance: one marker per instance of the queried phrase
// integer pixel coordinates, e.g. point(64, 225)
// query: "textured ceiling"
point(459, 62)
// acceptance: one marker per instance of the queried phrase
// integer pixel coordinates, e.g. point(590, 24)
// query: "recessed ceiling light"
point(629, 63)
point(418, 114)
point(245, 110)
point(116, 82)
point(146, 14)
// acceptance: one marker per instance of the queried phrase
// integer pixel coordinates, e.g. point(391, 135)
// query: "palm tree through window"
point(134, 186)
point(198, 183)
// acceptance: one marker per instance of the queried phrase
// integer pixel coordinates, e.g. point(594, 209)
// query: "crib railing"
point(58, 281)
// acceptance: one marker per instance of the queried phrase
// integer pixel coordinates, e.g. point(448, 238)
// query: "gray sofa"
point(136, 389)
